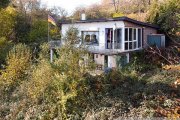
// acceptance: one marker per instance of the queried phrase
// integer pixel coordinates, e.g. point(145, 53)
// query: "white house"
point(111, 40)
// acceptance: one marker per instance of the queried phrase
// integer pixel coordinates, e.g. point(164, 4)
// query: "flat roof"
point(114, 19)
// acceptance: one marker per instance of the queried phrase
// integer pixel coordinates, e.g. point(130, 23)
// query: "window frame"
point(132, 44)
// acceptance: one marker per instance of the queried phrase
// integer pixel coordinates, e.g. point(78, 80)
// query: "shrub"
point(140, 63)
point(58, 83)
point(115, 77)
point(18, 65)
point(39, 30)
point(4, 49)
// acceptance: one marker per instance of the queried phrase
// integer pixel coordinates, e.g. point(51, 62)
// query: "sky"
point(69, 5)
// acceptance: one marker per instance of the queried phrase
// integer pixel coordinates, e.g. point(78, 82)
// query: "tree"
point(22, 27)
point(92, 12)
point(116, 5)
point(59, 13)
point(166, 15)
point(5, 46)
point(77, 13)
point(38, 31)
point(4, 3)
point(31, 21)
point(7, 22)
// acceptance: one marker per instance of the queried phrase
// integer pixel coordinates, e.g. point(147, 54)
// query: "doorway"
point(109, 38)
point(105, 61)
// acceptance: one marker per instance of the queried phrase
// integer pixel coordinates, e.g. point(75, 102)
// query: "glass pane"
point(139, 38)
point(82, 36)
point(94, 39)
point(118, 38)
point(87, 38)
point(126, 46)
point(130, 34)
point(130, 45)
point(134, 36)
point(126, 34)
point(134, 44)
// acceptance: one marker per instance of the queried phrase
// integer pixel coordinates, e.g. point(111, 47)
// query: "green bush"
point(4, 49)
point(18, 64)
point(38, 32)
point(7, 21)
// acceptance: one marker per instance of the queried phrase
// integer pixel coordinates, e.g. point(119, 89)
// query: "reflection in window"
point(134, 35)
point(87, 38)
point(126, 34)
point(130, 34)
point(90, 37)
point(126, 46)
point(118, 38)
point(94, 38)
point(135, 44)
point(130, 45)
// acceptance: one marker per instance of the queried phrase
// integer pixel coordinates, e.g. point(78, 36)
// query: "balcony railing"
point(101, 49)
point(93, 48)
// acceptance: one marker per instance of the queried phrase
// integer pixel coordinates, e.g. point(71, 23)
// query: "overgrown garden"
point(33, 88)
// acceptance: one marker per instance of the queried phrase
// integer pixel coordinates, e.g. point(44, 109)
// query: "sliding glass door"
point(118, 38)
point(109, 38)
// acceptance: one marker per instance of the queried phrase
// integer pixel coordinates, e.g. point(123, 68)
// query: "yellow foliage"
point(171, 67)
point(18, 62)
point(139, 16)
point(40, 79)
point(10, 10)
point(116, 15)
point(7, 21)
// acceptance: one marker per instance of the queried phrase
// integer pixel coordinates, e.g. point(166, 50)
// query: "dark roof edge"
point(140, 23)
point(114, 19)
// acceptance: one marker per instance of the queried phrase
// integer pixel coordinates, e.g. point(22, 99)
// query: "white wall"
point(99, 59)
point(112, 61)
point(95, 26)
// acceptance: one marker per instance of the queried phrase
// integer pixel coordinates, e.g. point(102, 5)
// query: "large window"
point(118, 38)
point(90, 37)
point(133, 38)
point(109, 38)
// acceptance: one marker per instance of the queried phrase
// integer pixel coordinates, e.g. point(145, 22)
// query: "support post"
point(113, 38)
point(114, 31)
point(123, 39)
point(127, 55)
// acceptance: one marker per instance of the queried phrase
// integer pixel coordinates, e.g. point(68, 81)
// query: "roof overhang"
point(114, 19)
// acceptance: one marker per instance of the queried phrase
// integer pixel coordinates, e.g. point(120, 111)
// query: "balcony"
point(101, 49)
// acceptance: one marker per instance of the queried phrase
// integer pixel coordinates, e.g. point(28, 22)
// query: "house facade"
point(111, 40)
